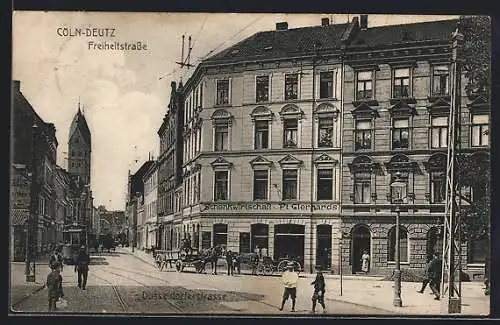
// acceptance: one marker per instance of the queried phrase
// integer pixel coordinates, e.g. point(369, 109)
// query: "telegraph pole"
point(32, 224)
point(451, 289)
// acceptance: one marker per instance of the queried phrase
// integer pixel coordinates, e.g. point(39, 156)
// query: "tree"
point(474, 170)
point(476, 54)
point(475, 215)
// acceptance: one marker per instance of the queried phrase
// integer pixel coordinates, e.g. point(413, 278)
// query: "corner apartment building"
point(395, 120)
point(262, 145)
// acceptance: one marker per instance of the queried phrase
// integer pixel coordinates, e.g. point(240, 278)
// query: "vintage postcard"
point(245, 164)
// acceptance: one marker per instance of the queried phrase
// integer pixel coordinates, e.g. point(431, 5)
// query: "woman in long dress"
point(365, 261)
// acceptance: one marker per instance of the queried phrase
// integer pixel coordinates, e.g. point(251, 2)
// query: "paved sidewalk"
point(19, 288)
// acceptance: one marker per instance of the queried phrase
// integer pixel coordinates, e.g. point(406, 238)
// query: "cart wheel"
point(297, 267)
point(282, 266)
point(268, 270)
point(260, 269)
point(178, 266)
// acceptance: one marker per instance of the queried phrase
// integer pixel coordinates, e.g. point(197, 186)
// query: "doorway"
point(324, 246)
point(360, 241)
point(289, 242)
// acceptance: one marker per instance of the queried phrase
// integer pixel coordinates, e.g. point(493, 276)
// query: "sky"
point(124, 93)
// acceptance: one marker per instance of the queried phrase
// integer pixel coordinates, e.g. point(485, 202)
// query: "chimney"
point(17, 85)
point(282, 26)
point(363, 22)
point(325, 22)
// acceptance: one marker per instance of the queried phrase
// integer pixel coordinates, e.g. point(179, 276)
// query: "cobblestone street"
point(120, 282)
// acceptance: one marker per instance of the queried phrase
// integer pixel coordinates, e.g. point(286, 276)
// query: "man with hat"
point(82, 266)
point(290, 279)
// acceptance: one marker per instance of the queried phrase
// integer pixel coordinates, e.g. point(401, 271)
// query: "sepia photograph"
point(244, 164)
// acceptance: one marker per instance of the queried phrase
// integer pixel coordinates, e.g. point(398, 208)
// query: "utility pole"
point(451, 289)
point(32, 222)
point(183, 61)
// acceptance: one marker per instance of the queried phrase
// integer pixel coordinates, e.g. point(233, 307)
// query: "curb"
point(38, 289)
point(140, 258)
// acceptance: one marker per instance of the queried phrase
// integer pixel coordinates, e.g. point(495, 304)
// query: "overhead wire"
point(235, 34)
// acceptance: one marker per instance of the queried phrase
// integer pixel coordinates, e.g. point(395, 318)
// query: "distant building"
point(151, 222)
point(79, 147)
point(135, 200)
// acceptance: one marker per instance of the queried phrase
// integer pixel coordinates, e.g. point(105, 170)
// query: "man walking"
point(82, 266)
point(428, 274)
point(436, 269)
point(289, 279)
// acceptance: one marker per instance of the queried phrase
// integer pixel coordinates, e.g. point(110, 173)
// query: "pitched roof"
point(282, 44)
point(440, 30)
point(79, 122)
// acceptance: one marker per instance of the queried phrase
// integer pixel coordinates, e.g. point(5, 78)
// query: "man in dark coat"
point(82, 266)
point(435, 275)
point(428, 273)
point(229, 261)
point(54, 285)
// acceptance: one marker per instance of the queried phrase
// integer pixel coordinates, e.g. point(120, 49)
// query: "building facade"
point(34, 146)
point(151, 221)
point(397, 93)
point(134, 205)
point(170, 166)
point(262, 145)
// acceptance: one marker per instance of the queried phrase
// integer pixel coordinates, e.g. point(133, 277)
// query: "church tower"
point(79, 148)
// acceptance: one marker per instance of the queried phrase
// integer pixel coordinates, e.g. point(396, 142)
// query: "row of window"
point(401, 131)
point(291, 90)
point(401, 85)
point(289, 184)
point(290, 134)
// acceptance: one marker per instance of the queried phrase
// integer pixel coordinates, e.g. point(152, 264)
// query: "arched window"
point(403, 245)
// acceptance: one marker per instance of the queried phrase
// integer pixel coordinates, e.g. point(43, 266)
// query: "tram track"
point(200, 282)
point(142, 284)
point(118, 296)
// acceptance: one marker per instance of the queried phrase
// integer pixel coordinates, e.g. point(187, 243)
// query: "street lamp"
point(32, 224)
point(398, 187)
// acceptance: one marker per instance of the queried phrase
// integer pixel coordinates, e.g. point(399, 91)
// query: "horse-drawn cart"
point(191, 259)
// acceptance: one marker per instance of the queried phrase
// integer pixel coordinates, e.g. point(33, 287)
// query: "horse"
point(211, 255)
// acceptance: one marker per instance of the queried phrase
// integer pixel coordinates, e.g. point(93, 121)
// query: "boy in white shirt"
point(290, 279)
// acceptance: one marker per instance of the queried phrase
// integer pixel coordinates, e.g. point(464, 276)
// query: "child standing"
point(319, 291)
point(54, 285)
